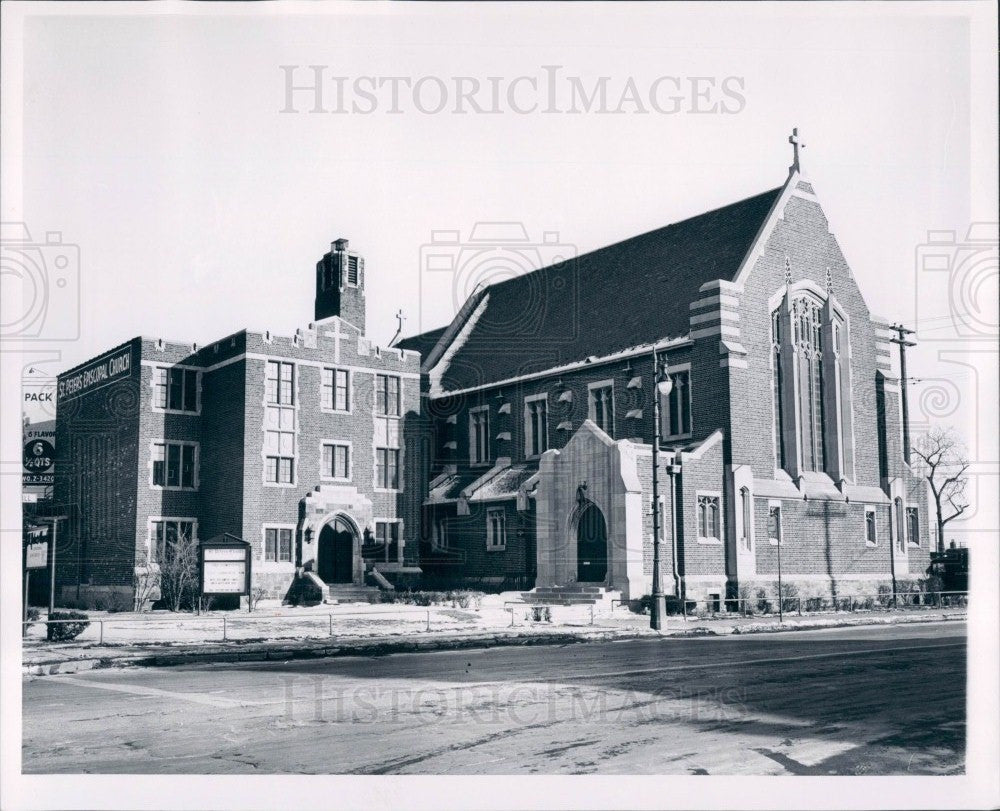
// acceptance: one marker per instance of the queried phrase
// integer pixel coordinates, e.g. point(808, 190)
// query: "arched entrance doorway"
point(335, 552)
point(591, 546)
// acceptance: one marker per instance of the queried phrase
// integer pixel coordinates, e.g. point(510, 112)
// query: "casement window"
point(384, 547)
point(278, 544)
point(280, 422)
point(709, 514)
point(746, 513)
point(165, 533)
point(336, 390)
point(536, 425)
point(174, 465)
point(496, 529)
point(871, 527)
point(279, 380)
point(601, 406)
point(387, 395)
point(774, 528)
point(175, 389)
point(479, 435)
point(336, 462)
point(677, 408)
point(913, 526)
point(387, 468)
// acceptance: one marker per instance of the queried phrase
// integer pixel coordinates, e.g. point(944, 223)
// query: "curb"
point(334, 648)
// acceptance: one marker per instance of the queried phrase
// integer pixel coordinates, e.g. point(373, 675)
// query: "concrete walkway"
point(382, 635)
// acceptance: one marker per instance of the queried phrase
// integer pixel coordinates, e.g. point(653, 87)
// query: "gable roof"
point(423, 342)
point(628, 294)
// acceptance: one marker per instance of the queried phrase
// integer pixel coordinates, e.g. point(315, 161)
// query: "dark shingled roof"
point(422, 343)
point(631, 293)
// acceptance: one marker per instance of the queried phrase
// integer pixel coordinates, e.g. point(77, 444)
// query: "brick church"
point(781, 432)
point(512, 448)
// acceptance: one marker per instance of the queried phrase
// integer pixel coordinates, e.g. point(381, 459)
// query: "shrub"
point(540, 613)
point(65, 631)
point(118, 601)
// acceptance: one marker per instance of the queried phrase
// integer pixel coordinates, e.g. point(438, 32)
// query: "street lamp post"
point(662, 388)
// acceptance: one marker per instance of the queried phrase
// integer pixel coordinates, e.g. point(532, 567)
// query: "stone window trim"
point(292, 406)
point(710, 496)
point(776, 504)
point(496, 529)
point(529, 437)
point(154, 383)
point(871, 527)
point(344, 443)
point(381, 381)
point(196, 464)
point(592, 404)
point(260, 561)
point(665, 407)
point(152, 557)
point(350, 390)
point(475, 457)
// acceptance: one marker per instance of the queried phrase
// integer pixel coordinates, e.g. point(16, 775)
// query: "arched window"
point(900, 525)
point(747, 517)
point(807, 317)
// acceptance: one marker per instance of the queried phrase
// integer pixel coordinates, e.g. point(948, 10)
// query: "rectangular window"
point(774, 523)
point(536, 426)
point(278, 383)
point(602, 407)
point(278, 545)
point(336, 461)
point(479, 435)
point(871, 527)
point(166, 532)
point(353, 272)
point(677, 416)
point(386, 547)
point(440, 538)
point(709, 518)
point(336, 390)
point(174, 465)
point(912, 526)
point(387, 468)
point(496, 529)
point(279, 445)
point(175, 389)
point(387, 395)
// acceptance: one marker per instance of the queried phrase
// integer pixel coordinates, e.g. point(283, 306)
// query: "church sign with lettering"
point(101, 372)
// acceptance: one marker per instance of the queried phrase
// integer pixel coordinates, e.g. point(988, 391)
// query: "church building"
point(781, 435)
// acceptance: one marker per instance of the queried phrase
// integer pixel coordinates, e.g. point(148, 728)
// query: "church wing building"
point(780, 435)
point(305, 445)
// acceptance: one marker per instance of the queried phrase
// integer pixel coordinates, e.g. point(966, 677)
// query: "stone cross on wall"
point(793, 139)
point(337, 336)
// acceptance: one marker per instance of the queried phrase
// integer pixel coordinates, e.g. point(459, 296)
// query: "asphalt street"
point(866, 700)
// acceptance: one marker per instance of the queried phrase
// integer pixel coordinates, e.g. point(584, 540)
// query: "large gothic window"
point(808, 326)
point(810, 386)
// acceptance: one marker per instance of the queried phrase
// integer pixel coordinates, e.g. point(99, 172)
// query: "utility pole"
point(902, 343)
point(662, 385)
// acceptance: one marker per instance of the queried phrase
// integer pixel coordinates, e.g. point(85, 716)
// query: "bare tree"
point(179, 569)
point(944, 462)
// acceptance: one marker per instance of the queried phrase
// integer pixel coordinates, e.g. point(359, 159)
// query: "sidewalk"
point(378, 632)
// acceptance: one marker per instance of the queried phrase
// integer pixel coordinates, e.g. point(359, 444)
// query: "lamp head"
point(665, 386)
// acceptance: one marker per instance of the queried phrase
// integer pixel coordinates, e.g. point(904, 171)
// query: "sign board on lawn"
point(38, 555)
point(225, 566)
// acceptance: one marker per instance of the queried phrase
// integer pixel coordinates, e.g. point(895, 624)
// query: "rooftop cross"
point(400, 317)
point(793, 139)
